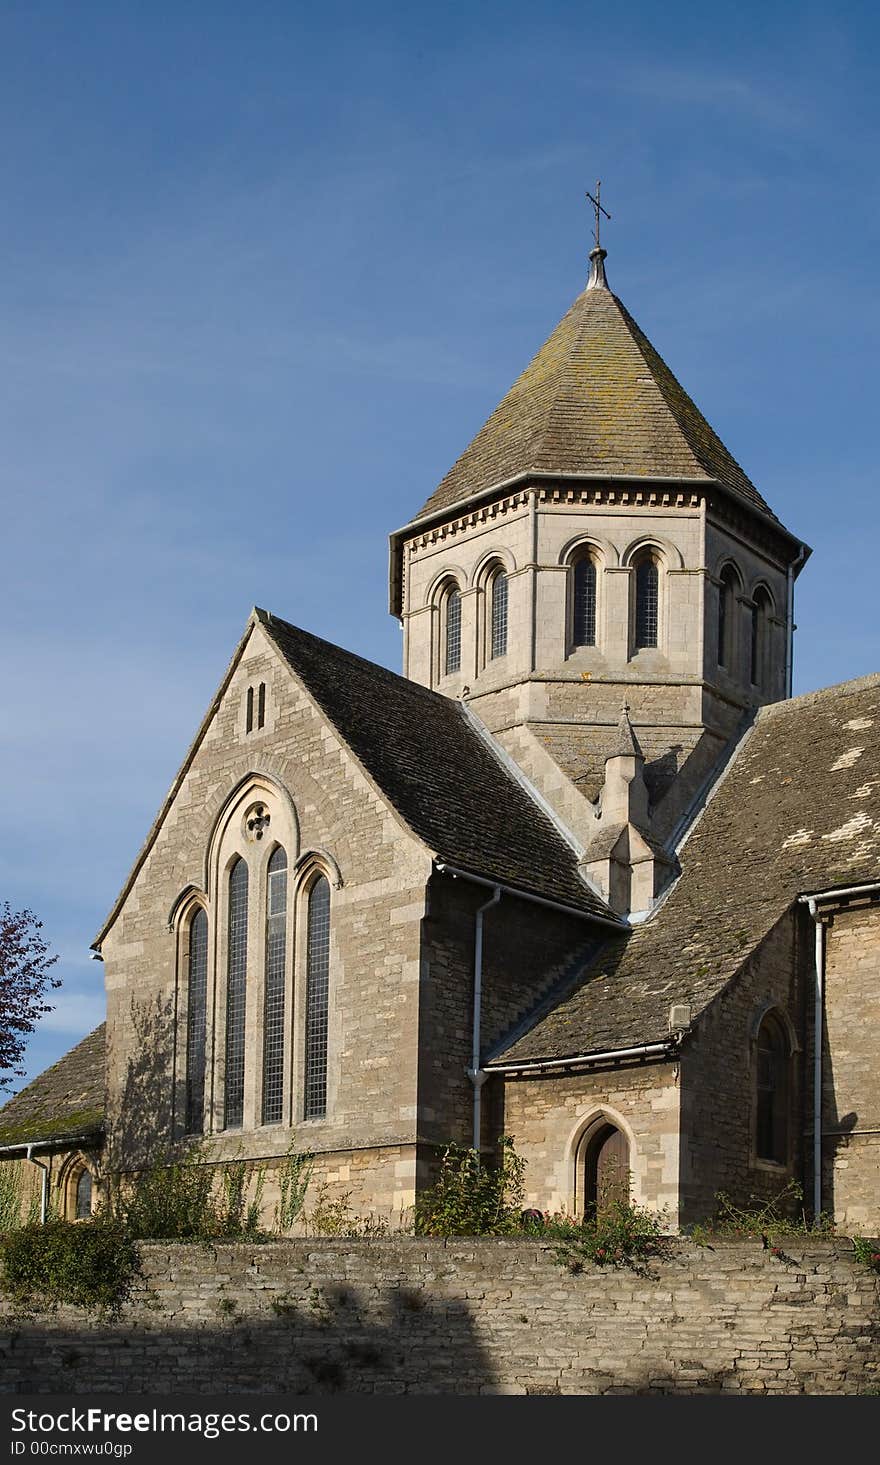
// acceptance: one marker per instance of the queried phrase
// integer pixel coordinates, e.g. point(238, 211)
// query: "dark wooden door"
point(606, 1169)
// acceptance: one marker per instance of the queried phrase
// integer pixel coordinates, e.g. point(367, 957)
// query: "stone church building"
point(585, 874)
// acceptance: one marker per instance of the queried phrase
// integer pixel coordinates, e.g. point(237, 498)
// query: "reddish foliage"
point(24, 980)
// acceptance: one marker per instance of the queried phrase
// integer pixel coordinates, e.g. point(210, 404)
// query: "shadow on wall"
point(327, 1346)
point(141, 1123)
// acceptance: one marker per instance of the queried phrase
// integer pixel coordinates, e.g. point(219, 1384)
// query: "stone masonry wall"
point(466, 1317)
point(851, 1094)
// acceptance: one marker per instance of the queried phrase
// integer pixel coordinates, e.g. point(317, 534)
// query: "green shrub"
point(867, 1252)
point(782, 1214)
point(471, 1198)
point(620, 1234)
point(168, 1202)
point(294, 1174)
point(87, 1263)
point(336, 1218)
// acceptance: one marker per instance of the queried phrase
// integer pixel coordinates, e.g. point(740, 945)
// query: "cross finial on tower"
point(597, 278)
point(599, 211)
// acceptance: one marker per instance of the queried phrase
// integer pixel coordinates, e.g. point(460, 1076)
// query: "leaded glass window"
point(273, 1005)
point(84, 1196)
point(499, 614)
point(584, 603)
point(317, 999)
point(771, 1110)
point(236, 994)
point(196, 1019)
point(647, 602)
point(453, 631)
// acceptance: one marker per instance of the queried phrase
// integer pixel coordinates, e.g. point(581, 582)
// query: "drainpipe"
point(818, 1006)
point(475, 1073)
point(44, 1183)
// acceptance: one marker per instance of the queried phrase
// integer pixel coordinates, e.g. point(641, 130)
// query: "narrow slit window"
point(771, 1110)
point(249, 715)
point(317, 1000)
point(499, 614)
point(261, 705)
point(273, 1006)
point(760, 640)
point(236, 995)
point(453, 632)
point(196, 1021)
point(584, 603)
point(647, 602)
point(726, 605)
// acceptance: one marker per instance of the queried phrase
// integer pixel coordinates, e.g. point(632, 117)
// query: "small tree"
point(24, 980)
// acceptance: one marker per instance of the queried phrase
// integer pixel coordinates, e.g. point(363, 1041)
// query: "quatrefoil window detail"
point(257, 821)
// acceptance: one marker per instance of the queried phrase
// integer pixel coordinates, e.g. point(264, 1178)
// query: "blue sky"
point(266, 268)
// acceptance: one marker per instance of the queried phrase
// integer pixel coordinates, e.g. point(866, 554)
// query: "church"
point(585, 874)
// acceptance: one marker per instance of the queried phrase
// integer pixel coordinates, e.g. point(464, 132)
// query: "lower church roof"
point(67, 1101)
point(797, 811)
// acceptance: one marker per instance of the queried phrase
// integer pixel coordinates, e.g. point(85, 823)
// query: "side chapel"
point(585, 874)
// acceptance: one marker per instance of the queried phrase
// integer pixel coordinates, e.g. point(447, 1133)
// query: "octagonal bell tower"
point(597, 545)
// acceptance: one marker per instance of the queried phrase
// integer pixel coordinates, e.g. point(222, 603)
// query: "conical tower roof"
point(597, 399)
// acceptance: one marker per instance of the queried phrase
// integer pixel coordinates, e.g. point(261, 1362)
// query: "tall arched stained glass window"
point(647, 601)
point(498, 591)
point(452, 653)
point(584, 602)
point(273, 1005)
point(317, 1000)
point(236, 994)
point(196, 1015)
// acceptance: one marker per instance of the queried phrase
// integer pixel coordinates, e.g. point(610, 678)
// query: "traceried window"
point(452, 630)
point(317, 999)
point(583, 622)
point(727, 617)
point(647, 606)
point(236, 994)
point(83, 1204)
point(196, 1018)
point(273, 1005)
point(498, 587)
point(771, 1091)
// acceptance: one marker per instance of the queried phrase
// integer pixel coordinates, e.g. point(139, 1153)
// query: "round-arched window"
point(772, 1091)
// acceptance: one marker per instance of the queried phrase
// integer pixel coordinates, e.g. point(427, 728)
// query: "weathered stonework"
point(464, 1317)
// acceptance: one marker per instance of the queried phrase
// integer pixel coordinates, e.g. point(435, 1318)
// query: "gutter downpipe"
point(812, 904)
point(44, 1182)
point(818, 1006)
point(476, 1074)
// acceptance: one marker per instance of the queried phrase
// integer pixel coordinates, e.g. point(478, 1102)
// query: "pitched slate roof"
point(797, 811)
point(597, 398)
point(68, 1099)
point(436, 770)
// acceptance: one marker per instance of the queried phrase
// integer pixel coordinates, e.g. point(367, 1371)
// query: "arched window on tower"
point(317, 999)
point(647, 600)
point(452, 630)
point(498, 597)
point(273, 1004)
point(772, 1067)
point(196, 1021)
point(760, 647)
point(583, 601)
point(236, 994)
point(727, 592)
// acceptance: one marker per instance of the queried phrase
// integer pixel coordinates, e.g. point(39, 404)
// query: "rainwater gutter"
point(586, 1060)
point(812, 904)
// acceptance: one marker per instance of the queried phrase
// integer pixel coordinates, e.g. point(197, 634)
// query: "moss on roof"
point(67, 1099)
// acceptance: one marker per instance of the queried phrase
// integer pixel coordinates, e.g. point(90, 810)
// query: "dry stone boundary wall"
point(464, 1317)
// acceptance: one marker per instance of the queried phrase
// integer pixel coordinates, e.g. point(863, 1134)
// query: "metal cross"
point(599, 210)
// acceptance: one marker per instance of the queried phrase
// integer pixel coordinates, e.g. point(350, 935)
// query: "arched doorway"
point(606, 1168)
